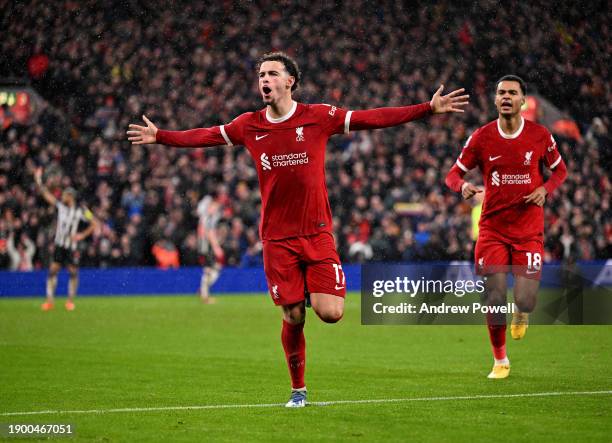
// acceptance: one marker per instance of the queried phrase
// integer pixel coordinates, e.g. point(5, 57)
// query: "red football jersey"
point(512, 168)
point(290, 158)
point(289, 153)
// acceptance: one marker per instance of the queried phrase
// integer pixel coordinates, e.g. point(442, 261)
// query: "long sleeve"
point(10, 244)
point(387, 117)
point(30, 248)
point(558, 176)
point(201, 137)
point(454, 178)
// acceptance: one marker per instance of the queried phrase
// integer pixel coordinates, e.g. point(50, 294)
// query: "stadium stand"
point(101, 65)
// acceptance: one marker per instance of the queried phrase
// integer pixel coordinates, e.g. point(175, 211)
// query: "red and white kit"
point(511, 231)
point(289, 152)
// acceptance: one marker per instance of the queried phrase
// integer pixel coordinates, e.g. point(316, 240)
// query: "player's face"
point(67, 199)
point(509, 98)
point(274, 82)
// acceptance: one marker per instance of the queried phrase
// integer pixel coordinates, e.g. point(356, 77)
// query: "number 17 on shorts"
point(340, 278)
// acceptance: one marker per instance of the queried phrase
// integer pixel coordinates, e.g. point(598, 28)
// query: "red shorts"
point(298, 265)
point(494, 253)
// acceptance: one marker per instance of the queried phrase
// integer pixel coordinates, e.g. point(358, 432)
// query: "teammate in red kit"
point(510, 152)
point(287, 141)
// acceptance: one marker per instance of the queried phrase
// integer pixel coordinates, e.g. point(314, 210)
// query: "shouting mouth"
point(266, 91)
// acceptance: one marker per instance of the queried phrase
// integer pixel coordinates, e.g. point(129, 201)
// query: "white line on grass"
point(315, 403)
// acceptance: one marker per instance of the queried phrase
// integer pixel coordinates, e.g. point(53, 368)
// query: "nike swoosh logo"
point(259, 137)
point(494, 158)
point(339, 287)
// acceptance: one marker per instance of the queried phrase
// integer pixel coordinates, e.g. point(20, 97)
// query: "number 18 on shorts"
point(520, 258)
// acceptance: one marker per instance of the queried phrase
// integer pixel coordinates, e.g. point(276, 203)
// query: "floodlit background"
point(76, 73)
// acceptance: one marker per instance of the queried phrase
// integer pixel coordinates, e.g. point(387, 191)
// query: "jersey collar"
point(285, 117)
point(513, 135)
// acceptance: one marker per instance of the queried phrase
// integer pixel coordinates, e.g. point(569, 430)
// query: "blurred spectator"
point(133, 200)
point(166, 254)
point(38, 64)
point(189, 251)
point(5, 260)
point(21, 254)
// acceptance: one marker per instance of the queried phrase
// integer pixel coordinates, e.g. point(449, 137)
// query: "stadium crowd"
point(101, 65)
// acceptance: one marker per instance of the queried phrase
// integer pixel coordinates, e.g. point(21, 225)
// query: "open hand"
point(141, 135)
point(451, 102)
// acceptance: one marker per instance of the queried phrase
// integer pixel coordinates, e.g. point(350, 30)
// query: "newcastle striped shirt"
point(68, 219)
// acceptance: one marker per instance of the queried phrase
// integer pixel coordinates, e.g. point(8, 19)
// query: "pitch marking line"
point(314, 403)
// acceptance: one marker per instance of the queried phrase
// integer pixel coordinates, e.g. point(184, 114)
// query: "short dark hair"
point(70, 190)
point(290, 65)
point(513, 78)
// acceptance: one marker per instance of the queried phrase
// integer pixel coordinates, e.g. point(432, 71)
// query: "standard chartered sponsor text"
point(516, 179)
point(292, 159)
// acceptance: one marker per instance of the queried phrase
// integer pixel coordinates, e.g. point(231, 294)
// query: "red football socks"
point(294, 345)
point(496, 323)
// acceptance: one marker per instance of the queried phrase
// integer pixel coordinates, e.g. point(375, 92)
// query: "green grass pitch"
point(147, 352)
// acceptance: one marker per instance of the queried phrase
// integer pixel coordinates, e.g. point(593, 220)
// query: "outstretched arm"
point(387, 117)
point(50, 198)
point(142, 135)
point(451, 102)
point(30, 246)
point(201, 137)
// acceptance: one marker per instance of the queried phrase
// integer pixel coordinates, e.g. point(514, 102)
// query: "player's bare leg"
point(51, 286)
point(73, 284)
point(525, 299)
point(496, 288)
point(294, 344)
point(329, 307)
point(209, 277)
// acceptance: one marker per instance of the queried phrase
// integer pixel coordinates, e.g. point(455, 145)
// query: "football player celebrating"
point(287, 141)
point(510, 152)
point(67, 236)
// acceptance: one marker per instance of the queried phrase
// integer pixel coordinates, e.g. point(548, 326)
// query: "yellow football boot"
point(500, 370)
point(520, 323)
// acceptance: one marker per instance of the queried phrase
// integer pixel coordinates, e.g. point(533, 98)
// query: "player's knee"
point(333, 314)
point(295, 319)
point(496, 297)
point(295, 314)
point(526, 304)
point(495, 292)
